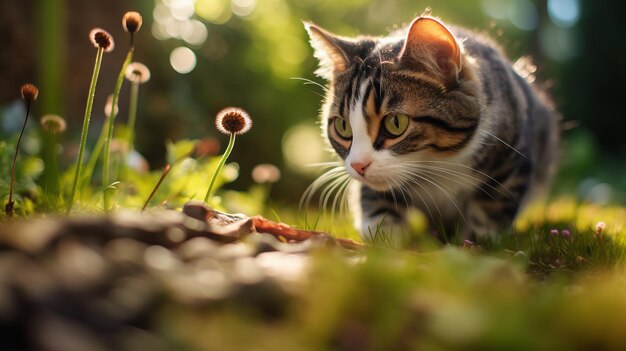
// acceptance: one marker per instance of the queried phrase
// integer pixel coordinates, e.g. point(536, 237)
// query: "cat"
point(434, 118)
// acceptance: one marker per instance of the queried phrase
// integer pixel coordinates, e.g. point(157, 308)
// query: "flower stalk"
point(137, 74)
point(83, 134)
point(107, 143)
point(103, 41)
point(131, 22)
point(230, 121)
point(97, 149)
point(166, 170)
point(220, 165)
point(29, 94)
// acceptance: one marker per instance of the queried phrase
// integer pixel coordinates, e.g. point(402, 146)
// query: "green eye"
point(343, 128)
point(396, 124)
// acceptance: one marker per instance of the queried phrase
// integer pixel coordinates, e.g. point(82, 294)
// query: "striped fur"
point(480, 138)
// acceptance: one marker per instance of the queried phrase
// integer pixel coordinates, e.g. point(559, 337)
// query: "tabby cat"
point(434, 118)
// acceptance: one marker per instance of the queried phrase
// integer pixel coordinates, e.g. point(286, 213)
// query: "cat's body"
point(436, 119)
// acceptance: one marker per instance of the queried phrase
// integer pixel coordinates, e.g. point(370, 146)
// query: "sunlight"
point(183, 60)
point(564, 13)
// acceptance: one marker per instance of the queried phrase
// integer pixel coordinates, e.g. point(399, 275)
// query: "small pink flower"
point(566, 233)
point(600, 227)
point(554, 232)
point(468, 243)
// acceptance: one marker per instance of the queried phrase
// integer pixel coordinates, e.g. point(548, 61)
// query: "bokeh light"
point(523, 14)
point(197, 33)
point(557, 43)
point(173, 19)
point(182, 9)
point(303, 148)
point(243, 8)
point(497, 9)
point(564, 13)
point(215, 11)
point(183, 60)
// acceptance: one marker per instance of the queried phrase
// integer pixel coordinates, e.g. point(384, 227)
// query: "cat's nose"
point(360, 167)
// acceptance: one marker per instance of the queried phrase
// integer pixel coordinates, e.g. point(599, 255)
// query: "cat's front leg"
point(379, 217)
point(490, 217)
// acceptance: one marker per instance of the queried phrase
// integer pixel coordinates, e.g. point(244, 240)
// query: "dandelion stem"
point(95, 154)
point(107, 145)
point(9, 205)
point(132, 115)
point(231, 144)
point(166, 170)
point(86, 119)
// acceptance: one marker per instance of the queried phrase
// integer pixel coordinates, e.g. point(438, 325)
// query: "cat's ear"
point(430, 45)
point(331, 51)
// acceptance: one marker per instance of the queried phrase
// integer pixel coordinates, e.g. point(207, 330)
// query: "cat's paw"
point(384, 231)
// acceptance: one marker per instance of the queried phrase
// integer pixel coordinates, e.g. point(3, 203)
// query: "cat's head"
point(396, 99)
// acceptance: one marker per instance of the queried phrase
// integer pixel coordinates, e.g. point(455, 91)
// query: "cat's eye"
point(343, 128)
point(396, 124)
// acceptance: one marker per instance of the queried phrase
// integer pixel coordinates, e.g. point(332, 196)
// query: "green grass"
point(530, 239)
point(528, 290)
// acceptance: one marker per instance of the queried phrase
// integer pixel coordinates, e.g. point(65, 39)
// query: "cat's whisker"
point(408, 181)
point(443, 172)
point(447, 192)
point(486, 132)
point(395, 184)
point(471, 169)
point(311, 82)
point(329, 186)
point(393, 194)
point(324, 178)
point(328, 192)
point(337, 196)
point(325, 164)
point(444, 191)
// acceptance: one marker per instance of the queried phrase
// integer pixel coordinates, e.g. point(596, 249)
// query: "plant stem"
point(95, 154)
point(231, 144)
point(132, 114)
point(107, 145)
point(86, 119)
point(132, 117)
point(165, 172)
point(9, 206)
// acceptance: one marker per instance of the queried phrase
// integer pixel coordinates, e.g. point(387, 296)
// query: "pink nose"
point(360, 167)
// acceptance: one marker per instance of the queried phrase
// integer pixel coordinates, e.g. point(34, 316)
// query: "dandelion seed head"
point(233, 120)
point(100, 38)
point(29, 92)
point(53, 123)
point(137, 72)
point(131, 22)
